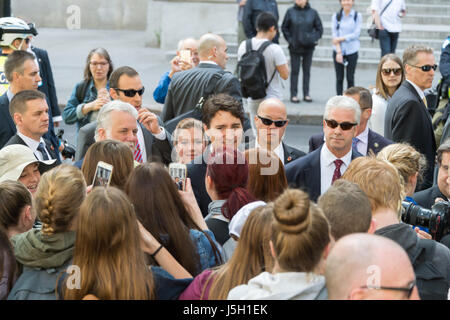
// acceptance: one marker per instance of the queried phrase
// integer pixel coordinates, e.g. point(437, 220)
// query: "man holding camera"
point(441, 190)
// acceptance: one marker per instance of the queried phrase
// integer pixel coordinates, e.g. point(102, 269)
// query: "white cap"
point(237, 222)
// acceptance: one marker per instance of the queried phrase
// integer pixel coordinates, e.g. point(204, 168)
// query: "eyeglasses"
point(101, 64)
point(426, 67)
point(409, 289)
point(344, 125)
point(268, 122)
point(396, 71)
point(131, 92)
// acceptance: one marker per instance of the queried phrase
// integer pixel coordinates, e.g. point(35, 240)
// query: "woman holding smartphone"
point(345, 28)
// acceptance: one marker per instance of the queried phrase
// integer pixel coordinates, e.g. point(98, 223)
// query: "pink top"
point(195, 289)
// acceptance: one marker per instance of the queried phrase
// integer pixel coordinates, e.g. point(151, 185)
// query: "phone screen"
point(178, 174)
point(185, 55)
point(102, 176)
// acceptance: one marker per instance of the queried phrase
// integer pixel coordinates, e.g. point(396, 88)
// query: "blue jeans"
point(388, 41)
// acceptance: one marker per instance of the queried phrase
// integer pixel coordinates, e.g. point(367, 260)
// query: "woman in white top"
point(390, 75)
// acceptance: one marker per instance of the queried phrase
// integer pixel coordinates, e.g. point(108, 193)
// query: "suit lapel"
point(312, 175)
point(413, 90)
point(148, 140)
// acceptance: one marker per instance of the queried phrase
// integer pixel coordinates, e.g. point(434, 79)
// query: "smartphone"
point(185, 55)
point(103, 174)
point(178, 172)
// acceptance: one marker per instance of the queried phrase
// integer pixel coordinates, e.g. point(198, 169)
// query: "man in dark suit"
point(366, 140)
point(153, 141)
point(29, 110)
point(187, 87)
point(222, 119)
point(407, 117)
point(271, 122)
point(316, 171)
point(426, 198)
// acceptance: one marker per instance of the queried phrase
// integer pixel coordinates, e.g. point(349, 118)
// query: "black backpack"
point(252, 71)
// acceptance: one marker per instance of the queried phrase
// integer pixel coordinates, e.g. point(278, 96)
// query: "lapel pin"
point(376, 145)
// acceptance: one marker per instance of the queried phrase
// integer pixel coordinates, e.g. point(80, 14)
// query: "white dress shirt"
point(419, 91)
point(33, 145)
point(363, 141)
point(327, 167)
point(279, 151)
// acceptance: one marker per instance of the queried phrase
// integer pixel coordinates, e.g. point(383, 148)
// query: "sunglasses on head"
point(131, 92)
point(396, 71)
point(426, 67)
point(268, 122)
point(344, 125)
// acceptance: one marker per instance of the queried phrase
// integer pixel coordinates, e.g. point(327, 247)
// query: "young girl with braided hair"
point(45, 253)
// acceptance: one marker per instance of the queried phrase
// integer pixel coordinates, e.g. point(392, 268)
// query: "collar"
point(9, 94)
point(419, 91)
point(329, 157)
point(208, 62)
point(31, 143)
point(364, 136)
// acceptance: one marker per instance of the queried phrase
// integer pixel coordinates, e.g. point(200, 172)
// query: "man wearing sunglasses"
point(316, 171)
point(153, 140)
point(380, 270)
point(407, 118)
point(271, 123)
point(366, 140)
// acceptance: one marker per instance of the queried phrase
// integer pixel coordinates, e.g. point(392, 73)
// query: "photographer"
point(381, 182)
point(426, 198)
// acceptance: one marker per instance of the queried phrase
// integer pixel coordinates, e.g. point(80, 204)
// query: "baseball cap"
point(14, 158)
point(237, 222)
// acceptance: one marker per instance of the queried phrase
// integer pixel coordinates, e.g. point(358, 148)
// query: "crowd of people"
point(254, 218)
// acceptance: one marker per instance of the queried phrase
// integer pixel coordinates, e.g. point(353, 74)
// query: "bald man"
point(369, 267)
point(271, 122)
point(177, 65)
point(187, 87)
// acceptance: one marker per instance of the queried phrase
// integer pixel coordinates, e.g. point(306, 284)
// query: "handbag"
point(373, 31)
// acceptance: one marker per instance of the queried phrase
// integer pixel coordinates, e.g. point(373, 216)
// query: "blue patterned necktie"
point(355, 143)
point(41, 149)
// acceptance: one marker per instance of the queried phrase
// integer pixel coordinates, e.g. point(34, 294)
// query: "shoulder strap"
point(264, 46)
point(338, 18)
point(81, 90)
point(356, 16)
point(248, 45)
point(210, 87)
point(382, 11)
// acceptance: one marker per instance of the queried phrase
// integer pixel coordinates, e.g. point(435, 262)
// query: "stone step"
point(366, 3)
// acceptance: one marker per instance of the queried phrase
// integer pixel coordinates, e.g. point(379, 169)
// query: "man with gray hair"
point(316, 171)
point(407, 117)
point(117, 120)
point(187, 87)
point(369, 267)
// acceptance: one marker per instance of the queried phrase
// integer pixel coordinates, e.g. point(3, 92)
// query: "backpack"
point(432, 285)
point(81, 90)
point(339, 17)
point(252, 71)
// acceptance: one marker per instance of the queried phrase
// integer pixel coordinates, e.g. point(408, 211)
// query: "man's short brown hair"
point(347, 208)
point(221, 102)
point(410, 53)
point(444, 147)
point(365, 97)
point(15, 63)
point(19, 101)
point(379, 180)
point(116, 74)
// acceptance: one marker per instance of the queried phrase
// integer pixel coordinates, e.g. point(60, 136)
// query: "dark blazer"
point(425, 198)
point(187, 87)
point(408, 120)
point(304, 173)
point(159, 150)
point(15, 139)
point(196, 171)
point(7, 125)
point(290, 153)
point(375, 142)
point(252, 9)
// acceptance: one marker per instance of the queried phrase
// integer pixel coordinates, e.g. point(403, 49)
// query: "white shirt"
point(379, 106)
point(419, 91)
point(390, 19)
point(140, 135)
point(273, 57)
point(327, 167)
point(33, 145)
point(363, 141)
point(279, 151)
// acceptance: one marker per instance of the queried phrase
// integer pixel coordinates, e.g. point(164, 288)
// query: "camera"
point(68, 152)
point(437, 220)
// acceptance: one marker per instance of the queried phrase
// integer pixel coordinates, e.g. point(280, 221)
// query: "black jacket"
point(302, 28)
point(252, 9)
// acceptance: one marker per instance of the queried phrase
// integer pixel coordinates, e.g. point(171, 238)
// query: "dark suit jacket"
point(407, 120)
point(290, 153)
point(375, 142)
point(158, 150)
point(15, 139)
point(187, 87)
point(7, 126)
point(304, 173)
point(425, 198)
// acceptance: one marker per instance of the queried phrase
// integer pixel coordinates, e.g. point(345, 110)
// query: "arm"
point(284, 71)
point(167, 111)
point(285, 28)
point(318, 26)
point(247, 19)
point(160, 92)
point(163, 257)
point(69, 113)
point(192, 207)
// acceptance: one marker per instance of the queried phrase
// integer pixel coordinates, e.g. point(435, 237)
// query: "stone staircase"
point(426, 22)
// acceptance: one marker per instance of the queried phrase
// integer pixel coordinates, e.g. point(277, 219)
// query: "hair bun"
point(291, 211)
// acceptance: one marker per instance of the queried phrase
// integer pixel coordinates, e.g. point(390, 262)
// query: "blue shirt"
point(160, 92)
point(349, 29)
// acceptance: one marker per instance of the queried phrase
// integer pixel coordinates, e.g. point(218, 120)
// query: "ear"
point(113, 94)
point(357, 294)
point(324, 125)
point(369, 112)
point(372, 227)
point(209, 182)
point(101, 134)
point(17, 117)
point(327, 249)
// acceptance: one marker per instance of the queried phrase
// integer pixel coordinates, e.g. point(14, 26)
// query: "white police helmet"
point(12, 28)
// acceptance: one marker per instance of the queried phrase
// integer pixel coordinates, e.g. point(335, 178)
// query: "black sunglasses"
point(131, 92)
point(409, 289)
point(396, 71)
point(268, 122)
point(344, 125)
point(426, 67)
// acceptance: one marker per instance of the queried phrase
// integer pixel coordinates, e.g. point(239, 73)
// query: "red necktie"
point(337, 172)
point(138, 153)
